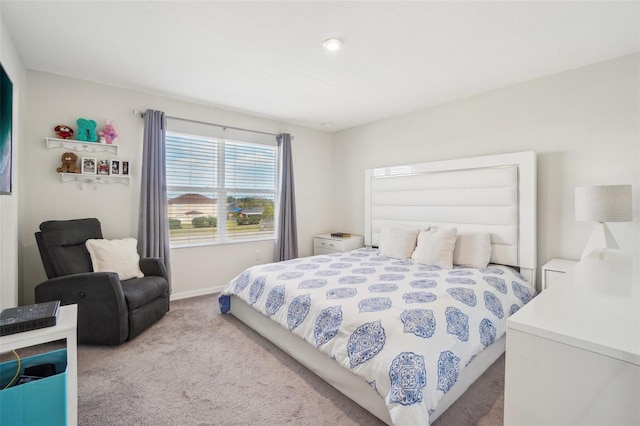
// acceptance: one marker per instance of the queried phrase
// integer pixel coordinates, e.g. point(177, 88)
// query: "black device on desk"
point(29, 317)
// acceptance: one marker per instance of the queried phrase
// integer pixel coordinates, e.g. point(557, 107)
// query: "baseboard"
point(195, 293)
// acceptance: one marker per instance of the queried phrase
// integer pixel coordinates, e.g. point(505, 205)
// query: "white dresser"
point(573, 353)
point(326, 244)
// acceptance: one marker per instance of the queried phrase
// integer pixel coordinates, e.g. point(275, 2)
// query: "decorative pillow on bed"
point(397, 241)
point(473, 249)
point(119, 256)
point(435, 247)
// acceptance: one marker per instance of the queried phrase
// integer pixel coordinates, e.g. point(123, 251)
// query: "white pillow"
point(473, 249)
point(119, 256)
point(435, 247)
point(397, 241)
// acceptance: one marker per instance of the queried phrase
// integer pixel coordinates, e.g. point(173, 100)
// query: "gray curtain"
point(287, 234)
point(153, 223)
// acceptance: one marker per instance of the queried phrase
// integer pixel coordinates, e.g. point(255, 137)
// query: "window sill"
point(222, 243)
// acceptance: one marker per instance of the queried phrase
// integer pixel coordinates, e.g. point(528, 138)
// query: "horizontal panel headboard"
point(495, 194)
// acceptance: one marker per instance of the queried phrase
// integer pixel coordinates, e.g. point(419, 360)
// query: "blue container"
point(40, 402)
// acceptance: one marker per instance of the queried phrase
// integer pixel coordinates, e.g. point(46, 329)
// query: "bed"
point(399, 328)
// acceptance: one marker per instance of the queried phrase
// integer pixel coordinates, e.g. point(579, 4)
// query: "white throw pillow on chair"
point(120, 256)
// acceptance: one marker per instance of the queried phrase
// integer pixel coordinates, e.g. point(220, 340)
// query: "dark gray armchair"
point(110, 311)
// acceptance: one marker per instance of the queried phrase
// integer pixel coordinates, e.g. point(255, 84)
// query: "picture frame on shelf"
point(89, 165)
point(126, 167)
point(103, 167)
point(114, 167)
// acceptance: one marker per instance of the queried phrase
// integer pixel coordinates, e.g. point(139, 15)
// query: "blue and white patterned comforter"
point(406, 328)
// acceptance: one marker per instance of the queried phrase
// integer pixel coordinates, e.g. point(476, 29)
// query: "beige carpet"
point(198, 367)
point(495, 416)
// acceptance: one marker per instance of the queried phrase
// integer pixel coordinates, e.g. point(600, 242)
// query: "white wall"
point(12, 64)
point(53, 100)
point(584, 125)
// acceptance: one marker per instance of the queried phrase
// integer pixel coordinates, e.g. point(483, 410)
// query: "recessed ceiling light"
point(332, 44)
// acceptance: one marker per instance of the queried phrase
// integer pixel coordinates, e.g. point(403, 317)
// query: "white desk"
point(573, 353)
point(65, 328)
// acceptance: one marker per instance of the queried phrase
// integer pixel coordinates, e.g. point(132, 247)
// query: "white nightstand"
point(554, 269)
point(326, 244)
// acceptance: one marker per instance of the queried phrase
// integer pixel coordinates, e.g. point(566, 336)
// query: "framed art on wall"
point(6, 118)
point(89, 165)
point(125, 168)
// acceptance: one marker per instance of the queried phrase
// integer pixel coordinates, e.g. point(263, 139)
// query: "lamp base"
point(601, 238)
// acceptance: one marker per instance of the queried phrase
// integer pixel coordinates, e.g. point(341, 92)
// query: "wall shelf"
point(74, 145)
point(93, 180)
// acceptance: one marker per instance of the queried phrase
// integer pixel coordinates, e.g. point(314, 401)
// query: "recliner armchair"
point(110, 311)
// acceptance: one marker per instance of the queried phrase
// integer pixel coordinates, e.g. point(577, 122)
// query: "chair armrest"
point(102, 309)
point(153, 267)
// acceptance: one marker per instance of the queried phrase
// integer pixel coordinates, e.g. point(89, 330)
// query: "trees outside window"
point(219, 190)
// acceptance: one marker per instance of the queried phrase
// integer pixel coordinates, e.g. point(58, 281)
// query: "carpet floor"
point(198, 367)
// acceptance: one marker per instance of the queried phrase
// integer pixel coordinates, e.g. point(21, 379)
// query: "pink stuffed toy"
point(109, 132)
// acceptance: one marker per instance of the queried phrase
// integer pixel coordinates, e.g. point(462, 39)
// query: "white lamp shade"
point(603, 203)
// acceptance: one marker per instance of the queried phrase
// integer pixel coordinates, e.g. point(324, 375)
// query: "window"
point(219, 190)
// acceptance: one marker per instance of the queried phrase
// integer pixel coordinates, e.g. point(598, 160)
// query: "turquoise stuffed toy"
point(87, 130)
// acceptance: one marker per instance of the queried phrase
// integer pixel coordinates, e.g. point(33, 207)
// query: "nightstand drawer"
point(551, 276)
point(326, 244)
point(556, 269)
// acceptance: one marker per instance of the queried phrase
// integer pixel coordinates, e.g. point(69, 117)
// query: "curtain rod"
point(223, 126)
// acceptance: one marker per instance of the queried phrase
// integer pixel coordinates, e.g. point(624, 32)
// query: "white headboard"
point(495, 194)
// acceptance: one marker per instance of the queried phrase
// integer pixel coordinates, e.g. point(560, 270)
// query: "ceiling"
point(266, 58)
